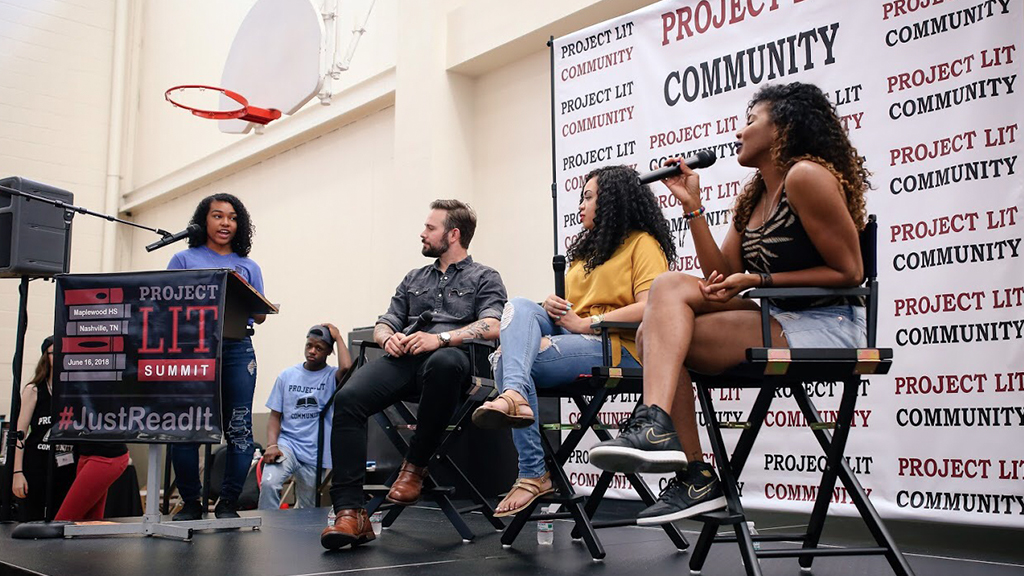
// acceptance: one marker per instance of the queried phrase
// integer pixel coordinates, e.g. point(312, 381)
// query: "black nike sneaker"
point(647, 442)
point(696, 492)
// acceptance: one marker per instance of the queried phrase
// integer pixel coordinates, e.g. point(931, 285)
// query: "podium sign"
point(137, 356)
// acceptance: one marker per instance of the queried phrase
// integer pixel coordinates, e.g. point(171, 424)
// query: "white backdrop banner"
point(928, 92)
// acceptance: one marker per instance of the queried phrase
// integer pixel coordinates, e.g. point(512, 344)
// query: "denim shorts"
point(843, 326)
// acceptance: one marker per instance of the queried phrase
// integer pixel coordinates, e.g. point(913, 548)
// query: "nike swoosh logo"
point(695, 494)
point(658, 438)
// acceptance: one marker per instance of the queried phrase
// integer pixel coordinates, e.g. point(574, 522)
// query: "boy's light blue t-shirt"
point(299, 395)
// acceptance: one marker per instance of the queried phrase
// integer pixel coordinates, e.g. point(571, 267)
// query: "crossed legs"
point(681, 329)
point(535, 353)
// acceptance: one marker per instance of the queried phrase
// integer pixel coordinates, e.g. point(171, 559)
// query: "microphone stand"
point(7, 470)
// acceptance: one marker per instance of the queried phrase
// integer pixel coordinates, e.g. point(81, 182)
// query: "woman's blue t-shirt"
point(202, 257)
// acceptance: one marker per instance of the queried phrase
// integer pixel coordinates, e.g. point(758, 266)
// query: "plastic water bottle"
point(546, 530)
point(331, 516)
point(753, 534)
point(376, 522)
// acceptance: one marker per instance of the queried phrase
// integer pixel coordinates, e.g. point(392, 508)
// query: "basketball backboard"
point(277, 59)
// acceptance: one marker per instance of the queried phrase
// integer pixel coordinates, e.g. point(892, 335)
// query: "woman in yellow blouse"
point(624, 246)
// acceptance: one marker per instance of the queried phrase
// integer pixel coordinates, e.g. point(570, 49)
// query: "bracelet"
point(696, 213)
point(271, 446)
point(17, 472)
point(596, 319)
point(766, 279)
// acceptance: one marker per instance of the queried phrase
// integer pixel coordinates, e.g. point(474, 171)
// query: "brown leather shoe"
point(352, 526)
point(407, 487)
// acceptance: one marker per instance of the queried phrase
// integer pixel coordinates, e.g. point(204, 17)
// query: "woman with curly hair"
point(795, 224)
point(223, 241)
point(624, 246)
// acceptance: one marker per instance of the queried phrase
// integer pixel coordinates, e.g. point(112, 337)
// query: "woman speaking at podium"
point(224, 241)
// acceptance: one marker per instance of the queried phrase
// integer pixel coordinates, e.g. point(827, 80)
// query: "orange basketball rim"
point(244, 111)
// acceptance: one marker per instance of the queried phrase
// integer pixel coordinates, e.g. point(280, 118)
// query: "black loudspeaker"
point(32, 234)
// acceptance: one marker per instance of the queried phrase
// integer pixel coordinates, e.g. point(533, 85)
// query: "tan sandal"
point(494, 419)
point(534, 486)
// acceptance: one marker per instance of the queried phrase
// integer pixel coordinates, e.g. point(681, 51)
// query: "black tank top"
point(39, 432)
point(37, 443)
point(781, 244)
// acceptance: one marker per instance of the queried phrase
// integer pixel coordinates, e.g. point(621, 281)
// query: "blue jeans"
point(237, 384)
point(521, 365)
point(275, 475)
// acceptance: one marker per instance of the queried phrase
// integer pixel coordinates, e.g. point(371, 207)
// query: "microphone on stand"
point(558, 263)
point(172, 238)
point(701, 159)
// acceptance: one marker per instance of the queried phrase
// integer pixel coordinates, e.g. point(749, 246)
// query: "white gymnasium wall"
point(512, 172)
point(55, 78)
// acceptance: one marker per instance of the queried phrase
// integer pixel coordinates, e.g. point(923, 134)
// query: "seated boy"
point(299, 395)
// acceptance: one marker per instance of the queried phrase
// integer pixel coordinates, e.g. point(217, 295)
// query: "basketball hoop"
point(244, 112)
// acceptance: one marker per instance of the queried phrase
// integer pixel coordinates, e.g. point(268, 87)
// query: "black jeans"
point(439, 378)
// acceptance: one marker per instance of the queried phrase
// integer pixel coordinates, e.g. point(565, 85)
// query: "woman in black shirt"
point(32, 457)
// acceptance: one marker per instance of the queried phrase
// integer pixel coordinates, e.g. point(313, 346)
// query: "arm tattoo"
point(381, 333)
point(478, 329)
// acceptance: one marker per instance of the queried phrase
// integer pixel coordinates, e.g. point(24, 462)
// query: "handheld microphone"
point(172, 238)
point(701, 159)
point(422, 320)
point(558, 263)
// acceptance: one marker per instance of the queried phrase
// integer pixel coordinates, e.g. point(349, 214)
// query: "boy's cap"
point(321, 332)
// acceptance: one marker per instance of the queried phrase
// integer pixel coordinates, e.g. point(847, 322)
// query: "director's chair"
point(589, 392)
point(769, 370)
point(399, 418)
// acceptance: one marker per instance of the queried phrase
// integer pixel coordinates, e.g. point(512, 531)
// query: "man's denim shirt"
point(461, 295)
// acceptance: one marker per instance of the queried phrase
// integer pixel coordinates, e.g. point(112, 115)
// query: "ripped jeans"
point(237, 383)
point(522, 365)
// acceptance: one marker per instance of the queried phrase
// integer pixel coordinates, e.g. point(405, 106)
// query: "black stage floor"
point(422, 543)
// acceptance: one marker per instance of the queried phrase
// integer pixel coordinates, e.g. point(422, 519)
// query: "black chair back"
point(869, 254)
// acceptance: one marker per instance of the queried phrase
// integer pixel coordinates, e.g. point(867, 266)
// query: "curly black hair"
point(241, 244)
point(623, 206)
point(808, 129)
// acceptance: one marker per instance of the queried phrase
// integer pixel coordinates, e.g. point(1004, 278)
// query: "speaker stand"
point(7, 471)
